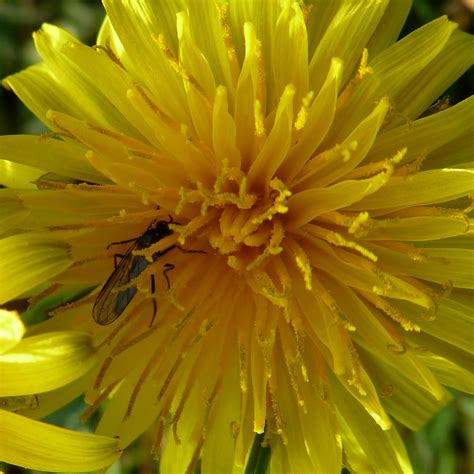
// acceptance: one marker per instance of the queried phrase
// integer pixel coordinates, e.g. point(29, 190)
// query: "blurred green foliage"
point(446, 444)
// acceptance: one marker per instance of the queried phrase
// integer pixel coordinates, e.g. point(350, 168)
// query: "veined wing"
point(110, 304)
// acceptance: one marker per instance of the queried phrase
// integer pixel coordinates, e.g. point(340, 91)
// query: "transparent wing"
point(110, 304)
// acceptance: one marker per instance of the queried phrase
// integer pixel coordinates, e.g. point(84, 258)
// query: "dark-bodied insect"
point(110, 304)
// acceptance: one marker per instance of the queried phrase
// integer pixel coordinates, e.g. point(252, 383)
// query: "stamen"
point(413, 166)
point(123, 322)
point(228, 40)
point(334, 309)
point(302, 116)
point(279, 203)
point(137, 93)
point(243, 366)
point(288, 348)
point(265, 332)
point(309, 176)
point(102, 371)
point(141, 380)
point(412, 252)
point(258, 119)
point(355, 381)
point(262, 284)
point(362, 71)
point(372, 169)
point(301, 260)
point(43, 294)
point(361, 225)
point(338, 240)
point(54, 135)
point(157, 443)
point(167, 381)
point(88, 412)
point(122, 347)
point(299, 336)
point(194, 460)
point(276, 412)
point(389, 310)
point(177, 66)
point(75, 304)
point(110, 53)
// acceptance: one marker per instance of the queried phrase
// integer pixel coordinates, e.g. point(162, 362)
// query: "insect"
point(110, 304)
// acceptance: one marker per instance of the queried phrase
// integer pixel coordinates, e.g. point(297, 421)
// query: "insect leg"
point(188, 250)
point(115, 259)
point(121, 242)
point(168, 268)
point(134, 239)
point(153, 289)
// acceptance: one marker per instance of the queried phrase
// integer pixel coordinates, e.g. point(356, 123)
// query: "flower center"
point(243, 225)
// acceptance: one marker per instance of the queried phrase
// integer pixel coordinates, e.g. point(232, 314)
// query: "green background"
point(446, 444)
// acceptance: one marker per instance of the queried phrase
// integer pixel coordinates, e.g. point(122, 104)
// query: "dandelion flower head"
point(311, 282)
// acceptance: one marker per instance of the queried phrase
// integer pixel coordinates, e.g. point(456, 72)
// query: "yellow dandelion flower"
point(276, 237)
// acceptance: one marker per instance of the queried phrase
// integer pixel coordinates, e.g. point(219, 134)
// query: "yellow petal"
point(198, 80)
point(286, 411)
point(107, 37)
point(276, 145)
point(345, 37)
point(28, 261)
point(39, 90)
point(224, 130)
point(218, 450)
point(43, 447)
point(306, 205)
point(14, 175)
point(319, 18)
point(452, 61)
point(11, 330)
point(144, 412)
point(88, 102)
point(67, 206)
point(45, 362)
point(444, 265)
point(357, 144)
point(138, 26)
point(209, 34)
point(411, 404)
point(106, 79)
point(449, 373)
point(455, 154)
point(264, 22)
point(441, 348)
point(393, 71)
point(315, 122)
point(389, 26)
point(12, 210)
point(427, 135)
point(374, 337)
point(290, 35)
point(430, 227)
point(453, 320)
point(382, 451)
point(248, 93)
point(46, 403)
point(56, 156)
point(426, 187)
